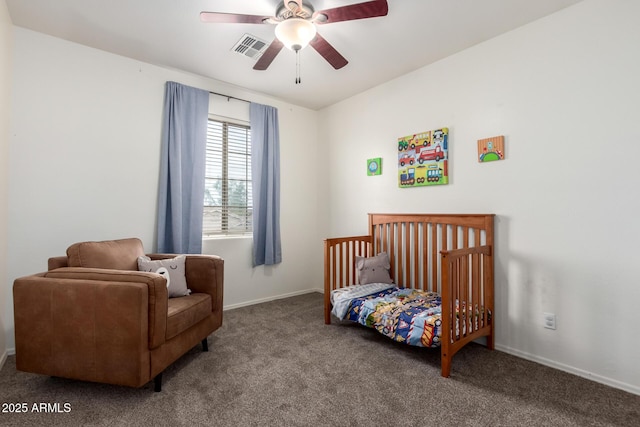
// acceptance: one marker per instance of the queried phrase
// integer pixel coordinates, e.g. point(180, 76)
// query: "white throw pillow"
point(172, 269)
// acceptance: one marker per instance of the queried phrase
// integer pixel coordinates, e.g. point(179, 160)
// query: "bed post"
point(489, 278)
point(327, 284)
point(447, 321)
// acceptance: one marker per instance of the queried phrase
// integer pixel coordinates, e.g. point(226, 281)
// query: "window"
point(228, 205)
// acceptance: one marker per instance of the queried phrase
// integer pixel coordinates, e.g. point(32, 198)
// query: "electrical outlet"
point(549, 320)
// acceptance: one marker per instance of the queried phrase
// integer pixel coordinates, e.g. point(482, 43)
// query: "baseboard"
point(267, 299)
point(570, 369)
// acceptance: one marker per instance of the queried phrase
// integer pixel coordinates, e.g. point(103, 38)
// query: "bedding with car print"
point(410, 316)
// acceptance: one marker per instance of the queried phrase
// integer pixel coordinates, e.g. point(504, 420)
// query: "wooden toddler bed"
point(444, 253)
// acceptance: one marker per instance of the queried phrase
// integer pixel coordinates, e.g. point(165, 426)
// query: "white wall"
point(564, 91)
point(85, 161)
point(6, 42)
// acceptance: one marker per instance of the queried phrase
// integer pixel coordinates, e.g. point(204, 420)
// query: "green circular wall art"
point(374, 166)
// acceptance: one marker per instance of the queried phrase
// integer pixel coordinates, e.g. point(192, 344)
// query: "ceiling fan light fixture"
point(295, 33)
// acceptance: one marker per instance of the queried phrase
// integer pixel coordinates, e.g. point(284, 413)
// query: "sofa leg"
point(205, 345)
point(157, 381)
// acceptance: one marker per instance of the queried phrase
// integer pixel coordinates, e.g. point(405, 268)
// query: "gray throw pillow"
point(172, 269)
point(373, 269)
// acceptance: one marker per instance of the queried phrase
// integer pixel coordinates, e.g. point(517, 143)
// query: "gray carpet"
point(277, 364)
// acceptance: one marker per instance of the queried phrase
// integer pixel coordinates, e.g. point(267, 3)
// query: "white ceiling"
point(169, 33)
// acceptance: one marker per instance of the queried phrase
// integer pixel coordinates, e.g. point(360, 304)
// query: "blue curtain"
point(182, 169)
point(265, 168)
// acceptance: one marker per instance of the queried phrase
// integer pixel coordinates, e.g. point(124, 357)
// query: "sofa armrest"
point(111, 300)
point(204, 274)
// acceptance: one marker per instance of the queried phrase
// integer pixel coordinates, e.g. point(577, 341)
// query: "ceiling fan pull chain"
point(298, 80)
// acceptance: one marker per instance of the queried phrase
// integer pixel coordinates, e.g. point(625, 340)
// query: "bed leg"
point(446, 366)
point(327, 306)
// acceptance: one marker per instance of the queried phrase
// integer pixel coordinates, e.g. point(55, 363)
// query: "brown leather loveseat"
point(94, 317)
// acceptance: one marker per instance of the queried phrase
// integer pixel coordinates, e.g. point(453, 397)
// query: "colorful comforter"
point(410, 316)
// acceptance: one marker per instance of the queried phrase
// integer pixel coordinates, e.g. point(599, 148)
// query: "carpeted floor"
point(277, 364)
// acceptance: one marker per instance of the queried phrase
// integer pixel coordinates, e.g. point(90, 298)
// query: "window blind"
point(227, 200)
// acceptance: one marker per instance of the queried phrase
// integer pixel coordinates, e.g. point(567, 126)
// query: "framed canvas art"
point(423, 159)
point(374, 166)
point(491, 149)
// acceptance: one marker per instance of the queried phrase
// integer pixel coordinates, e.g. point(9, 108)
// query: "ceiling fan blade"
point(370, 9)
point(233, 18)
point(269, 55)
point(328, 52)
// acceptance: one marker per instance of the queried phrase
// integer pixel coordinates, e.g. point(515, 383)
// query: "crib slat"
point(333, 263)
point(388, 243)
point(434, 257)
point(425, 257)
point(407, 256)
point(465, 296)
point(462, 309)
point(475, 286)
point(455, 277)
point(454, 237)
point(358, 251)
point(465, 242)
point(351, 255)
point(390, 247)
point(445, 239)
point(400, 259)
point(416, 257)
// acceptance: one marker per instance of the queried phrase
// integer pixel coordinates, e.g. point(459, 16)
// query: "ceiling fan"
point(296, 21)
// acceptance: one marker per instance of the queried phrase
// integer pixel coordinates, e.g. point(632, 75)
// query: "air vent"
point(250, 46)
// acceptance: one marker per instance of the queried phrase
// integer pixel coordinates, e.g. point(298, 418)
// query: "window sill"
point(228, 237)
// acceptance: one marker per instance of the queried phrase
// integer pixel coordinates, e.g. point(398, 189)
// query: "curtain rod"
point(229, 97)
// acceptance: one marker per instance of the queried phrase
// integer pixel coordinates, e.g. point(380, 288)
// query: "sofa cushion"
point(114, 254)
point(185, 312)
point(173, 270)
